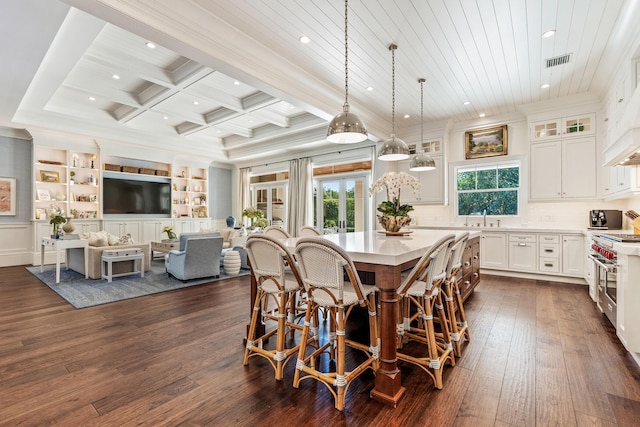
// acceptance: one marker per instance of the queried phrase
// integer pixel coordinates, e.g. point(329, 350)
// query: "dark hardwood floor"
point(540, 355)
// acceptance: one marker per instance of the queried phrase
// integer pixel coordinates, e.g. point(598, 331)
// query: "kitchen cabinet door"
point(433, 184)
point(573, 255)
point(578, 168)
point(546, 170)
point(493, 250)
point(523, 252)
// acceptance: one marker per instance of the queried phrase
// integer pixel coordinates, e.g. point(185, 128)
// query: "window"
point(492, 187)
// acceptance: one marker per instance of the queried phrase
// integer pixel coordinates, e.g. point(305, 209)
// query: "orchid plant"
point(393, 182)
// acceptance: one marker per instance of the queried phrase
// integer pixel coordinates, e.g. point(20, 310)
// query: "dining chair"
point(456, 318)
point(323, 268)
point(308, 231)
point(277, 280)
point(277, 232)
point(420, 297)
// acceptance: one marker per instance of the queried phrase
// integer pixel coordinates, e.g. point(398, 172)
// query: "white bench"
point(109, 257)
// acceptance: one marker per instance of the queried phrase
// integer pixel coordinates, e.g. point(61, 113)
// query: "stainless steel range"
point(605, 258)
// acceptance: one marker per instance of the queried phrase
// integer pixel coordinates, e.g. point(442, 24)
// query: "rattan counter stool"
point(278, 280)
point(308, 231)
point(277, 232)
point(323, 267)
point(457, 320)
point(421, 296)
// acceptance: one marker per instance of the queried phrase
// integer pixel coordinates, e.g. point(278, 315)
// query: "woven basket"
point(162, 173)
point(110, 167)
point(129, 169)
point(147, 171)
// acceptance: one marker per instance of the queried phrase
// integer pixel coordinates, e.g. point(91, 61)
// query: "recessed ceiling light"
point(544, 86)
point(116, 77)
point(369, 88)
point(304, 39)
point(195, 103)
point(548, 33)
point(166, 117)
point(91, 98)
point(482, 114)
point(467, 102)
point(406, 116)
point(150, 45)
point(237, 83)
point(218, 131)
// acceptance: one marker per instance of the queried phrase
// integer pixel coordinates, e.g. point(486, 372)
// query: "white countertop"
point(376, 247)
point(514, 229)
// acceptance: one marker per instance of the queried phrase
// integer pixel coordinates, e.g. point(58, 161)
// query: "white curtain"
point(245, 194)
point(300, 206)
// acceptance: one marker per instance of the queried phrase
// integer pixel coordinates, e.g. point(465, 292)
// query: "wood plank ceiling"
point(488, 53)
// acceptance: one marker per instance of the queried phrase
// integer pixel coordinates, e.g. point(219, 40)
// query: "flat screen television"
point(128, 196)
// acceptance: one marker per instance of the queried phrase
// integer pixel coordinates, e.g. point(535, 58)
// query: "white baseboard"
point(534, 276)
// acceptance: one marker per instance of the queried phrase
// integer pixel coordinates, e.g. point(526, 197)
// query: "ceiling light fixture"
point(544, 86)
point(304, 39)
point(91, 98)
point(393, 148)
point(369, 88)
point(548, 33)
point(422, 161)
point(237, 83)
point(195, 103)
point(467, 102)
point(116, 77)
point(346, 127)
point(150, 45)
point(406, 116)
point(482, 114)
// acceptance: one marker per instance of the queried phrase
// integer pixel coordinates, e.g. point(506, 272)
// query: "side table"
point(60, 245)
point(109, 257)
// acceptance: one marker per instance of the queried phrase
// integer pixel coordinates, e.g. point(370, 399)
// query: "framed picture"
point(7, 196)
point(49, 176)
point(486, 142)
point(43, 194)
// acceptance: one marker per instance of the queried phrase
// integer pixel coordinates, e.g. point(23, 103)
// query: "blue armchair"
point(197, 257)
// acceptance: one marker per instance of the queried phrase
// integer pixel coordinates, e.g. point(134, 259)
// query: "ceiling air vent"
point(558, 60)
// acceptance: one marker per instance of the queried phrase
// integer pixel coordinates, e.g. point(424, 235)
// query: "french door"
point(341, 204)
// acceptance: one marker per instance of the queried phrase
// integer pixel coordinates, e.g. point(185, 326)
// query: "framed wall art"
point(7, 196)
point(49, 176)
point(43, 194)
point(485, 142)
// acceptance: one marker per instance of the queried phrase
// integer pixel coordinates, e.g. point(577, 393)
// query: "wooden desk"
point(60, 245)
point(385, 257)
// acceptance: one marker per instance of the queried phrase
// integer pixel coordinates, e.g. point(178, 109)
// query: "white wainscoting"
point(15, 244)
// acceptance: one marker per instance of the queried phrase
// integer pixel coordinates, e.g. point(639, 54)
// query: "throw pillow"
point(126, 239)
point(98, 238)
point(113, 240)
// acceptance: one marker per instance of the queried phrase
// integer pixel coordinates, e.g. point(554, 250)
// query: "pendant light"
point(422, 161)
point(346, 127)
point(393, 148)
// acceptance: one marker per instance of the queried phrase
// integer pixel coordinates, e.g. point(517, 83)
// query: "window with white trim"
point(494, 187)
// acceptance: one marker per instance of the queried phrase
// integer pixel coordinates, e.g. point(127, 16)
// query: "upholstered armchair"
point(198, 256)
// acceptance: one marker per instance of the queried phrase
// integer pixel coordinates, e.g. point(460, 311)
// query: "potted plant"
point(72, 174)
point(169, 230)
point(56, 219)
point(253, 214)
point(394, 214)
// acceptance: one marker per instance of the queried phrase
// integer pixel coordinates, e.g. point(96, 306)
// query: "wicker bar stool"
point(278, 280)
point(420, 292)
point(457, 320)
point(323, 267)
point(277, 232)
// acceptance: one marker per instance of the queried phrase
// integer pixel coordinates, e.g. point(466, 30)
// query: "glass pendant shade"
point(346, 128)
point(393, 149)
point(422, 162)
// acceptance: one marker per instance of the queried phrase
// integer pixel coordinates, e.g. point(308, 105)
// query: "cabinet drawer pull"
point(548, 250)
point(522, 244)
point(548, 264)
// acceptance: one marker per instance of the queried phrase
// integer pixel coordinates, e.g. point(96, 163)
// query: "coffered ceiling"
point(231, 82)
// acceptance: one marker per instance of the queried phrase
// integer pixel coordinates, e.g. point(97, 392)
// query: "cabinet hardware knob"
point(467, 283)
point(475, 274)
point(475, 257)
point(467, 264)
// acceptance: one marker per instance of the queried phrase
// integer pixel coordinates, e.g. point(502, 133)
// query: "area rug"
point(82, 293)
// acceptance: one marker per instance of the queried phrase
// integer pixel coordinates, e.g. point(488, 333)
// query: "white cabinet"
point(621, 181)
point(433, 184)
point(493, 250)
point(584, 124)
point(152, 229)
point(573, 255)
point(523, 252)
point(563, 169)
point(83, 227)
point(121, 227)
point(549, 253)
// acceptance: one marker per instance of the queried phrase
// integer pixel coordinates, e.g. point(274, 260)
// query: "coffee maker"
point(604, 219)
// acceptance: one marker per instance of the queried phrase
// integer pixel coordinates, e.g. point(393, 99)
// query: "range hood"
point(625, 149)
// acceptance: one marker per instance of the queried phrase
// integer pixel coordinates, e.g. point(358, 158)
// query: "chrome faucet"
point(484, 218)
